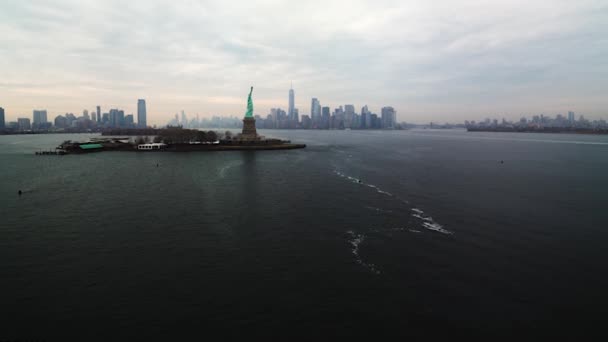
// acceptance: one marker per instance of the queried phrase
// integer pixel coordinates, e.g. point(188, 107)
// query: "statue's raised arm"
point(249, 113)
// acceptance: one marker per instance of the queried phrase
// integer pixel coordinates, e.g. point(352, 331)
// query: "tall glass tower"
point(292, 97)
point(1, 118)
point(141, 113)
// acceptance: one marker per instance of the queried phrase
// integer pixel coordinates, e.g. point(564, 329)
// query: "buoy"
point(20, 192)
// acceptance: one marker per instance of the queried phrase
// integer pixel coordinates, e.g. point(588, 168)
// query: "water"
point(418, 233)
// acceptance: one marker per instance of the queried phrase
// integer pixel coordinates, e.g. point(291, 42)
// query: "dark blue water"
point(379, 234)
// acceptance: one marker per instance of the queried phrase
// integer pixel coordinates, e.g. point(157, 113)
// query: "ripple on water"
point(222, 171)
point(427, 222)
point(358, 181)
point(355, 241)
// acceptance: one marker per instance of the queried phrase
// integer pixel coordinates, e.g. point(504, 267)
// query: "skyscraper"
point(388, 117)
point(364, 110)
point(349, 113)
point(117, 118)
point(39, 117)
point(129, 121)
point(61, 121)
point(24, 124)
point(290, 110)
point(2, 125)
point(141, 114)
point(315, 111)
point(325, 117)
point(365, 117)
point(571, 117)
point(98, 114)
point(184, 120)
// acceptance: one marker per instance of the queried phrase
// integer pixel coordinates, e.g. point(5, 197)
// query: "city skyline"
point(293, 112)
point(431, 61)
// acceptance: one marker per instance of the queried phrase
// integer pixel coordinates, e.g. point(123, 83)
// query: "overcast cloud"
point(431, 60)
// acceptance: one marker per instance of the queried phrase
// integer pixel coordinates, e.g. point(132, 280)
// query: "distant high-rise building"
point(61, 121)
point(571, 117)
point(39, 117)
point(374, 122)
point(121, 118)
point(325, 112)
point(2, 124)
point(98, 114)
point(85, 114)
point(306, 122)
point(388, 117)
point(113, 117)
point(296, 115)
point(365, 117)
point(349, 113)
point(313, 106)
point(292, 100)
point(24, 124)
point(184, 119)
point(325, 117)
point(117, 118)
point(315, 111)
point(142, 121)
point(129, 121)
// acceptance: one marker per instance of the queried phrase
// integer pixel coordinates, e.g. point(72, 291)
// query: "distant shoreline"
point(542, 130)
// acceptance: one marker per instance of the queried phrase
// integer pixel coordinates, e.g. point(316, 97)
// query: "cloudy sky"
point(431, 60)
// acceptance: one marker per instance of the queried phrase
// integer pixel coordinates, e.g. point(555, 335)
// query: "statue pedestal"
point(249, 131)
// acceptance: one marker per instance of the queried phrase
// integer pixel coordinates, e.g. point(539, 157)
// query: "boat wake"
point(358, 181)
point(426, 221)
point(378, 209)
point(355, 240)
point(222, 171)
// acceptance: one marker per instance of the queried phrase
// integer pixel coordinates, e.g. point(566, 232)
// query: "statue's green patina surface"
point(249, 113)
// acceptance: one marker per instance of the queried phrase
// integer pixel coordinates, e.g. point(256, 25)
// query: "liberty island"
point(178, 139)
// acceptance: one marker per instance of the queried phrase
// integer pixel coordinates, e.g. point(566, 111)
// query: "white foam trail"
point(429, 223)
point(379, 190)
point(379, 209)
point(223, 169)
point(358, 181)
point(436, 227)
point(355, 241)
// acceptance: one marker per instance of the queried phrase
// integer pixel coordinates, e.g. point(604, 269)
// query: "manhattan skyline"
point(431, 62)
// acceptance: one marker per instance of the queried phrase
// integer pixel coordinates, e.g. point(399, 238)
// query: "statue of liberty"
point(249, 113)
point(249, 131)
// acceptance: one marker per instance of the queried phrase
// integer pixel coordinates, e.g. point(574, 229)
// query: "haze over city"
point(438, 61)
